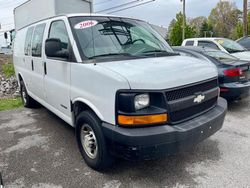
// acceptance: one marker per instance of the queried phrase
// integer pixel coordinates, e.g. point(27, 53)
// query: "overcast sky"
point(160, 12)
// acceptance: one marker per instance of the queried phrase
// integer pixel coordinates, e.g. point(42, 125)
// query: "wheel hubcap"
point(89, 141)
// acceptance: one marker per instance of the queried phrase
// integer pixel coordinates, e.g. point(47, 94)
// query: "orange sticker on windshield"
point(86, 24)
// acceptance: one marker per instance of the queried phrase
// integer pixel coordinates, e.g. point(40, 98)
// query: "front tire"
point(91, 141)
point(28, 102)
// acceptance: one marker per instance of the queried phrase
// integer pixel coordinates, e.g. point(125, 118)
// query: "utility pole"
point(245, 22)
point(184, 19)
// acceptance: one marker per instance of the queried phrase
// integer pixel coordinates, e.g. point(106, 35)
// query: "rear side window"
point(208, 44)
point(27, 47)
point(189, 43)
point(38, 40)
point(58, 30)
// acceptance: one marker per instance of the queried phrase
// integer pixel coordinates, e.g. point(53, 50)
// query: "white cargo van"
point(121, 86)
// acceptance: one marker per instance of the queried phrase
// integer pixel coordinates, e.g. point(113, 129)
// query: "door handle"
point(32, 65)
point(45, 68)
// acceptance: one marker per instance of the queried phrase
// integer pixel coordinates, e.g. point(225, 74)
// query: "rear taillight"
point(222, 90)
point(236, 72)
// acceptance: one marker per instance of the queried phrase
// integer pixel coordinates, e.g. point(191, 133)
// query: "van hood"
point(163, 72)
point(242, 55)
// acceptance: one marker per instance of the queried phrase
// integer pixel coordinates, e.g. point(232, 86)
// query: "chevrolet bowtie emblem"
point(199, 98)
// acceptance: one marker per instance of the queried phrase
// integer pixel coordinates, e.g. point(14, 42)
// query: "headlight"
point(140, 109)
point(141, 101)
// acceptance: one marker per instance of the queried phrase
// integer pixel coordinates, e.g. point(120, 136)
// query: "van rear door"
point(36, 62)
point(27, 60)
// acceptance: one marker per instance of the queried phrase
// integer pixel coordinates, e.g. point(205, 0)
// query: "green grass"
point(8, 104)
point(8, 69)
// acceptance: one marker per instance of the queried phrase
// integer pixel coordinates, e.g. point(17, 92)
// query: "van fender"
point(90, 105)
point(18, 76)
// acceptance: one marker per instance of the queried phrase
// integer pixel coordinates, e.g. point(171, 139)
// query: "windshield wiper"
point(235, 51)
point(161, 51)
point(110, 54)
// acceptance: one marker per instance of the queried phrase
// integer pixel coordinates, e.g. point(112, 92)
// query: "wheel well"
point(79, 107)
point(20, 78)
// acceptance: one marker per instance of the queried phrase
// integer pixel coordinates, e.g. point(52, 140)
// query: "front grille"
point(188, 91)
point(194, 110)
point(177, 100)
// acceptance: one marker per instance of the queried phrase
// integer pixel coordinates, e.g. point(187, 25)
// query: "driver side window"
point(58, 30)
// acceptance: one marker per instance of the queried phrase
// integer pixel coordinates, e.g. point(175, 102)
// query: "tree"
point(175, 35)
point(197, 24)
point(245, 17)
point(206, 29)
point(238, 31)
point(170, 27)
point(224, 18)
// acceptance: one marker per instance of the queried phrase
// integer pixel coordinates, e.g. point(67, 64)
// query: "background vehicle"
point(225, 45)
point(245, 42)
point(6, 50)
point(234, 74)
point(119, 83)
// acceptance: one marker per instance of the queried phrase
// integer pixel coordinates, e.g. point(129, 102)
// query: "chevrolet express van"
point(118, 82)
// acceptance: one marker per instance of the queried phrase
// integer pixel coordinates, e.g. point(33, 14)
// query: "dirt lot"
point(38, 150)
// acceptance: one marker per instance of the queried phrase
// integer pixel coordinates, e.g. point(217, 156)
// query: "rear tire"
point(28, 102)
point(91, 141)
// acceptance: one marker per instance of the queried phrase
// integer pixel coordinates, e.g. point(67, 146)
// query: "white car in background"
point(6, 50)
point(223, 44)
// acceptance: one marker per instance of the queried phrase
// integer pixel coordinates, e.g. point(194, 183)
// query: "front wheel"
point(91, 141)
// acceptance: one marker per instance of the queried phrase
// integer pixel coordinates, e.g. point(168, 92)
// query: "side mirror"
point(53, 48)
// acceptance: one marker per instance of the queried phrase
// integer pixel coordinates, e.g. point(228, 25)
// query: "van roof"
point(94, 14)
point(82, 14)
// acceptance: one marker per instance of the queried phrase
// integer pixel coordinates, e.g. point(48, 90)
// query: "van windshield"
point(117, 38)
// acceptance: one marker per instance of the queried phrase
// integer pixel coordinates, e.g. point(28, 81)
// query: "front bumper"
point(154, 142)
point(235, 90)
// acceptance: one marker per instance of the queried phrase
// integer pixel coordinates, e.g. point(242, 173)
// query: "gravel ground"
point(4, 59)
point(8, 86)
point(38, 150)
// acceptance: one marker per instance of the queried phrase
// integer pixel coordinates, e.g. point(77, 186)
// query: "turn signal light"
point(142, 120)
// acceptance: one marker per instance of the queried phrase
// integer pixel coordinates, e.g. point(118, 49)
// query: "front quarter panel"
point(96, 87)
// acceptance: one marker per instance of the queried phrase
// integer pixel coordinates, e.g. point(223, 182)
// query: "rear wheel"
point(91, 141)
point(28, 102)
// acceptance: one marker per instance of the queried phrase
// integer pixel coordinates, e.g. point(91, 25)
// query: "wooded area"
point(225, 20)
